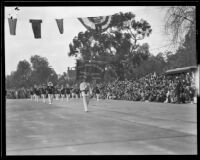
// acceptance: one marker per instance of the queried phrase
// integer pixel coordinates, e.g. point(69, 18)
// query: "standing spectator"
point(178, 91)
point(97, 92)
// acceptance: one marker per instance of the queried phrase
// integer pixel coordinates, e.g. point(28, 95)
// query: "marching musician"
point(50, 89)
point(62, 92)
point(57, 92)
point(77, 92)
point(31, 93)
point(67, 91)
point(73, 91)
point(43, 92)
point(36, 92)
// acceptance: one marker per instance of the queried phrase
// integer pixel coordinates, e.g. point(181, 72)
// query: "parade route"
point(111, 127)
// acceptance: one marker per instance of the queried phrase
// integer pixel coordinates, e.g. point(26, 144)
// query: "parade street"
point(110, 127)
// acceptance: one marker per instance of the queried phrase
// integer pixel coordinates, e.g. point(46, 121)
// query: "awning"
point(181, 70)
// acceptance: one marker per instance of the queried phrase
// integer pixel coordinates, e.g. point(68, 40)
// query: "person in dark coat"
point(178, 91)
point(68, 92)
point(62, 92)
point(77, 92)
point(50, 90)
point(96, 92)
point(38, 93)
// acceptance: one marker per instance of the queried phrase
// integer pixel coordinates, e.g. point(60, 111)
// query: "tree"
point(10, 82)
point(62, 80)
point(21, 77)
point(26, 75)
point(133, 62)
point(53, 77)
point(185, 54)
point(42, 72)
point(24, 67)
point(114, 46)
point(23, 73)
point(152, 64)
point(179, 20)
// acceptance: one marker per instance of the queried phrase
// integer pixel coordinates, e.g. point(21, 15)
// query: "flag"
point(36, 26)
point(99, 24)
point(60, 25)
point(12, 25)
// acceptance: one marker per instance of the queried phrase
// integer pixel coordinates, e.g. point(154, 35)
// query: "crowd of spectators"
point(150, 88)
point(18, 93)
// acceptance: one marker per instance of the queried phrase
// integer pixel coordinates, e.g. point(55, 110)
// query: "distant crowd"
point(151, 88)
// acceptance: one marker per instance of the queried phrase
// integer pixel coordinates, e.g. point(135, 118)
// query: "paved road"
point(111, 127)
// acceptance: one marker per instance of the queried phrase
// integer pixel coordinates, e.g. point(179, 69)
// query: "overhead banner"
point(99, 24)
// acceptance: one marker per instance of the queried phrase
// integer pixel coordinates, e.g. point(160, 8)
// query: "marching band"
point(50, 92)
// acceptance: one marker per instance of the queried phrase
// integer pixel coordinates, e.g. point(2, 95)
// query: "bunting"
point(99, 24)
point(36, 26)
point(60, 25)
point(12, 25)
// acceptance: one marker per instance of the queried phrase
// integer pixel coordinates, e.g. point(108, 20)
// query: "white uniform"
point(85, 91)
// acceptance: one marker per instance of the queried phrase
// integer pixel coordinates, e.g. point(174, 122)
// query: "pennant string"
point(36, 26)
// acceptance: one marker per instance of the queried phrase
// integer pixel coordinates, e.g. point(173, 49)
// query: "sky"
point(55, 46)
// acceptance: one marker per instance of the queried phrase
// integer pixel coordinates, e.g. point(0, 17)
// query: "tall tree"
point(24, 73)
point(181, 24)
point(114, 46)
point(179, 20)
point(21, 77)
point(185, 54)
point(10, 81)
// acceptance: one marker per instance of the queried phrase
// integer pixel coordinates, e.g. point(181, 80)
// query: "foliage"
point(42, 72)
point(179, 20)
point(21, 77)
point(186, 53)
point(116, 45)
point(26, 75)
